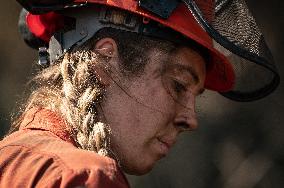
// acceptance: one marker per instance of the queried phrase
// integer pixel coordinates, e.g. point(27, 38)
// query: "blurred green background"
point(238, 145)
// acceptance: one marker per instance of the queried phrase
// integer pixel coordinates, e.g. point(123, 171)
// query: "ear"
point(107, 47)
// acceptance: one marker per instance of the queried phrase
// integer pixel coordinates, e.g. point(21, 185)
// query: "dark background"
point(238, 145)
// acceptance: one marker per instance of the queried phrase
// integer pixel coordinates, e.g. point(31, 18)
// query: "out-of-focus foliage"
point(238, 145)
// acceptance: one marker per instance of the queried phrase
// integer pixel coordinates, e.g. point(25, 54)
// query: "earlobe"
point(106, 47)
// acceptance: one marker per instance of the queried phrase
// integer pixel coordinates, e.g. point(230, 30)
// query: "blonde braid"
point(81, 94)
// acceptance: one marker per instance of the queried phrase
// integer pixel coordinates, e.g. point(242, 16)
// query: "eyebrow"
point(188, 69)
point(191, 71)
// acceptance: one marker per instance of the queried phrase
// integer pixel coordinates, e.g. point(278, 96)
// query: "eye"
point(178, 87)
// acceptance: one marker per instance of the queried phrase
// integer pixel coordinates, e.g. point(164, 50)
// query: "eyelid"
point(184, 81)
point(181, 83)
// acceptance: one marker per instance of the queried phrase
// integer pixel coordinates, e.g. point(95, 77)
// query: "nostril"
point(182, 126)
point(185, 124)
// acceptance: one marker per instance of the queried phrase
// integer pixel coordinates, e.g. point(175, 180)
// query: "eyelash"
point(178, 87)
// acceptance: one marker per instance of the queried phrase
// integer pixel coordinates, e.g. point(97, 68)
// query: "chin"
point(139, 170)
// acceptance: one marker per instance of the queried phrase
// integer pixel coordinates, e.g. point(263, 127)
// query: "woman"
point(117, 91)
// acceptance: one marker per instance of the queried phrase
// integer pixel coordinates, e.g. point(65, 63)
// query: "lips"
point(165, 145)
point(168, 143)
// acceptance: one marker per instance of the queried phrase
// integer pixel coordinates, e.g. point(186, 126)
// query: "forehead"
point(186, 59)
point(188, 56)
point(177, 60)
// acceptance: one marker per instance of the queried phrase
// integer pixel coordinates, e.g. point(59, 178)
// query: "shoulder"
point(41, 157)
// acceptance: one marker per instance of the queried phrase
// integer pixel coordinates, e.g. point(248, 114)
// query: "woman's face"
point(146, 113)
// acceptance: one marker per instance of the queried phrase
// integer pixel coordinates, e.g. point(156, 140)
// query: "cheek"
point(132, 144)
point(135, 122)
point(155, 97)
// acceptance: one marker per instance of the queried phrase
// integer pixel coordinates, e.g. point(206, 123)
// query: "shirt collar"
point(47, 120)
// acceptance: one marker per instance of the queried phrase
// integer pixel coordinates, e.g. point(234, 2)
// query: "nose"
point(186, 118)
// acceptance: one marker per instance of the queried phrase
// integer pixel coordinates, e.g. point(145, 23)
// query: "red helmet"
point(47, 17)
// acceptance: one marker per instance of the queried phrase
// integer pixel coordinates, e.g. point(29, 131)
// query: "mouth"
point(164, 146)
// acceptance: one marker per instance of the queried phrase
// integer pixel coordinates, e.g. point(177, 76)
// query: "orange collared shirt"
point(43, 154)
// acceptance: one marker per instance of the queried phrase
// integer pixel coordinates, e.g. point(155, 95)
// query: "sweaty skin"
point(150, 111)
